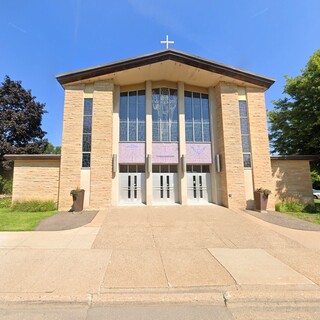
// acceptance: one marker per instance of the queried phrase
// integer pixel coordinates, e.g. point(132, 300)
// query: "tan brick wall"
point(230, 148)
point(261, 165)
point(36, 179)
point(292, 178)
point(101, 151)
point(71, 152)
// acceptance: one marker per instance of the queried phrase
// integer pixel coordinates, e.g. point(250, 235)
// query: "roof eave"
point(160, 56)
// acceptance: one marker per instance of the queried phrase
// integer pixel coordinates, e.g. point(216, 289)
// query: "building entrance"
point(165, 184)
point(198, 184)
point(132, 184)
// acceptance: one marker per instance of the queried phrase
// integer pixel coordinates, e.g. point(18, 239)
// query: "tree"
point(295, 120)
point(20, 120)
point(51, 149)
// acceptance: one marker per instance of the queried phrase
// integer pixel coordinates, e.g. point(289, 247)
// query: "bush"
point(291, 205)
point(5, 186)
point(294, 205)
point(5, 203)
point(33, 206)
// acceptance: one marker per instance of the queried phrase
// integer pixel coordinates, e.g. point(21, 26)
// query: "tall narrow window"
point(197, 117)
point(245, 134)
point(164, 114)
point(87, 133)
point(133, 116)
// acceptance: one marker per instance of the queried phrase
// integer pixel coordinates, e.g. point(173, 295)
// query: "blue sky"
point(42, 38)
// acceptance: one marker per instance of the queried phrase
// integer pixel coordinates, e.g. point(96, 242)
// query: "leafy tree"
point(51, 149)
point(20, 120)
point(295, 120)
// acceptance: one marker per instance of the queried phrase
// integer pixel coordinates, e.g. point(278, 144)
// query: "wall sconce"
point(114, 163)
point(218, 163)
point(183, 163)
point(149, 163)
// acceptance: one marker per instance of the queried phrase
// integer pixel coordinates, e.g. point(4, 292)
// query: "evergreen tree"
point(20, 121)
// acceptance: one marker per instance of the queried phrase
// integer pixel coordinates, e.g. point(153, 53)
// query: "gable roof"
point(167, 54)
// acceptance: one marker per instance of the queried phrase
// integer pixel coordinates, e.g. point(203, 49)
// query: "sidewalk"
point(198, 254)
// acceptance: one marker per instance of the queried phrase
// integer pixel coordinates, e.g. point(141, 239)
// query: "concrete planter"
point(260, 201)
point(78, 199)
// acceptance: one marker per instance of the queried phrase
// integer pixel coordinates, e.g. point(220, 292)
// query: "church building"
point(160, 129)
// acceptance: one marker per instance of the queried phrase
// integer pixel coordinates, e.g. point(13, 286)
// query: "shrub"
point(5, 186)
point(34, 206)
point(5, 202)
point(291, 204)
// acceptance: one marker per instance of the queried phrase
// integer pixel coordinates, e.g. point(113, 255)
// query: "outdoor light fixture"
point(183, 163)
point(149, 163)
point(218, 163)
point(114, 163)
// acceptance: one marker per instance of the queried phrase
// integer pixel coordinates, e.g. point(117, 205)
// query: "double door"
point(132, 185)
point(165, 184)
point(199, 185)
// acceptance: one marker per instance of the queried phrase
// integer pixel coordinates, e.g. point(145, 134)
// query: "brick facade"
point(261, 165)
point(36, 180)
point(292, 179)
point(101, 151)
point(71, 150)
point(232, 184)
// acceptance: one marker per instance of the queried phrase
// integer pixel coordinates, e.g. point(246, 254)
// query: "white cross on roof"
point(167, 42)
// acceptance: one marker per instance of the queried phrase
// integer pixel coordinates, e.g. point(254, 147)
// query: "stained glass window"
point(133, 116)
point(87, 133)
point(245, 134)
point(164, 114)
point(197, 117)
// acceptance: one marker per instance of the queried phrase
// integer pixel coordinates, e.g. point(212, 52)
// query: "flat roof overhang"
point(180, 59)
point(296, 157)
point(32, 157)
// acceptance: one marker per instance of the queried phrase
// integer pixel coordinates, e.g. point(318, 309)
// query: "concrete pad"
point(256, 266)
point(303, 260)
point(82, 241)
point(74, 272)
point(194, 268)
point(48, 240)
point(21, 268)
point(13, 239)
point(135, 269)
point(128, 237)
point(186, 236)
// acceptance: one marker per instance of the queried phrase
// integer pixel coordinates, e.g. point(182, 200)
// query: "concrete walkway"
point(195, 254)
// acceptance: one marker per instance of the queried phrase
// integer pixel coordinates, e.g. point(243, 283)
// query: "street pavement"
point(163, 257)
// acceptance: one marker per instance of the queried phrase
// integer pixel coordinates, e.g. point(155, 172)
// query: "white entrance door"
point(165, 188)
point(132, 187)
point(199, 187)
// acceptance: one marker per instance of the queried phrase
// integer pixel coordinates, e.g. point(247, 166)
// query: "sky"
point(43, 38)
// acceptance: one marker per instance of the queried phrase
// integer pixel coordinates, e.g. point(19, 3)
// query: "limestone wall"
point(36, 179)
point(292, 179)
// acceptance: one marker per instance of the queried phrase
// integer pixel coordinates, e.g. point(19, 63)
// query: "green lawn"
point(308, 216)
point(311, 217)
point(21, 221)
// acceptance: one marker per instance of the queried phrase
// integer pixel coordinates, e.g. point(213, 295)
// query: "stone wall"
point(261, 165)
point(36, 180)
point(292, 179)
point(71, 151)
point(232, 184)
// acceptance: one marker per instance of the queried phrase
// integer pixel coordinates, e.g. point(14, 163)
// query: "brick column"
point(71, 150)
point(261, 163)
point(101, 150)
point(232, 184)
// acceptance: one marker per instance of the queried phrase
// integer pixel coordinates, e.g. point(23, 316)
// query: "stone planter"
point(78, 199)
point(260, 201)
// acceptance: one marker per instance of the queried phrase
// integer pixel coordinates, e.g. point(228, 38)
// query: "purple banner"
point(132, 152)
point(165, 153)
point(198, 153)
